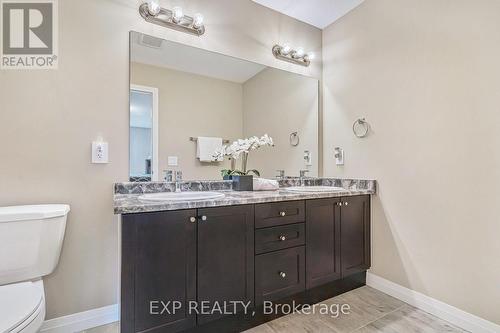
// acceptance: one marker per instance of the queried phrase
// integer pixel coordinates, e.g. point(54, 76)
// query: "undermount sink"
point(314, 189)
point(181, 196)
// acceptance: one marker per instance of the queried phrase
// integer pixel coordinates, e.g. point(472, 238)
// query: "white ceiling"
point(320, 13)
point(192, 60)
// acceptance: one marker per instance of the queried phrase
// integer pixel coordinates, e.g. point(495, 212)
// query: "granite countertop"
point(126, 197)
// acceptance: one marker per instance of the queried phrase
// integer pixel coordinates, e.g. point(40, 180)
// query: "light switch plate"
point(339, 156)
point(173, 161)
point(308, 158)
point(99, 152)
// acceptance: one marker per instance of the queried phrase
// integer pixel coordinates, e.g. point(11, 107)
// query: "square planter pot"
point(243, 183)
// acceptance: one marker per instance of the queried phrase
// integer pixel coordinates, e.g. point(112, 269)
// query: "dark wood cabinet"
point(225, 256)
point(323, 241)
point(279, 274)
point(249, 253)
point(278, 238)
point(355, 234)
point(279, 213)
point(338, 238)
point(158, 265)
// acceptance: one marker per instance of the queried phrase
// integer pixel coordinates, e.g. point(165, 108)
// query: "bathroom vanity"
point(252, 247)
point(190, 250)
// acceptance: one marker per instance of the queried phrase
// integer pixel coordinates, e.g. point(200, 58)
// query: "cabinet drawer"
point(278, 238)
point(279, 274)
point(279, 213)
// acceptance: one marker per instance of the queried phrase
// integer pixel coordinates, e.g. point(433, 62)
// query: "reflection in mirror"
point(143, 113)
point(186, 103)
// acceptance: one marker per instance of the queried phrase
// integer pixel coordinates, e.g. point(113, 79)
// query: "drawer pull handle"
point(203, 218)
point(282, 214)
point(282, 275)
point(192, 219)
point(282, 238)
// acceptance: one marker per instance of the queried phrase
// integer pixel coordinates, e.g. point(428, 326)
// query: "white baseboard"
point(428, 304)
point(82, 320)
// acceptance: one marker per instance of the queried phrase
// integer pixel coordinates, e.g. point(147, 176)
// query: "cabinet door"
point(322, 241)
point(355, 234)
point(225, 256)
point(158, 265)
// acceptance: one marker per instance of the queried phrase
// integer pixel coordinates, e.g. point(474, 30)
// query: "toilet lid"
point(32, 212)
point(18, 301)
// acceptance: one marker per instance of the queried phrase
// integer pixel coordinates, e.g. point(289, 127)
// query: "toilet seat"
point(22, 306)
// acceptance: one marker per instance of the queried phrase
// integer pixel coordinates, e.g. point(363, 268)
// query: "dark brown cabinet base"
point(279, 274)
point(355, 234)
point(158, 265)
point(302, 251)
point(323, 241)
point(225, 257)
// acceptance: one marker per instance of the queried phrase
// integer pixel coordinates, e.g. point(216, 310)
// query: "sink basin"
point(309, 189)
point(181, 196)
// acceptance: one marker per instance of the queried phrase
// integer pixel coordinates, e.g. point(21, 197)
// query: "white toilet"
point(30, 243)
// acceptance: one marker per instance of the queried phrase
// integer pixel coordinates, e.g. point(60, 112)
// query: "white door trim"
point(451, 314)
point(155, 164)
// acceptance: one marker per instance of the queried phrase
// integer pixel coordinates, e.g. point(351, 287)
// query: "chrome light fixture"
point(295, 56)
point(152, 12)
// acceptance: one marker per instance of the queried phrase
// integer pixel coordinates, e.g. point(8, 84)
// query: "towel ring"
point(361, 128)
point(294, 139)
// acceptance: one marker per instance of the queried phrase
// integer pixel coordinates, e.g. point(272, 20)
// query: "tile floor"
point(371, 311)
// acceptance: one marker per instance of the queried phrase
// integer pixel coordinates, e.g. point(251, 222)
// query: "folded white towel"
point(206, 148)
point(262, 184)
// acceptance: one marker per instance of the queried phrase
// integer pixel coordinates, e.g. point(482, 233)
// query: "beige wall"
point(49, 118)
point(426, 75)
point(279, 103)
point(191, 105)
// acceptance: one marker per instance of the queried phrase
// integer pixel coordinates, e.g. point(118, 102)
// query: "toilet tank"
point(31, 238)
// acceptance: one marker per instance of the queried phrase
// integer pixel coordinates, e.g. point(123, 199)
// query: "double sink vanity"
point(203, 255)
point(302, 244)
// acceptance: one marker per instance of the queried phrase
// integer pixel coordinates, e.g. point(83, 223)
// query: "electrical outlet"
point(99, 152)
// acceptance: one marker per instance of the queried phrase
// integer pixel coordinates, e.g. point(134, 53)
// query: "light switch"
point(308, 158)
point(173, 161)
point(99, 152)
point(339, 156)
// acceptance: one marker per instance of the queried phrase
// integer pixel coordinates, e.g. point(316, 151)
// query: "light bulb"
point(309, 56)
point(177, 14)
point(285, 50)
point(153, 7)
point(299, 53)
point(197, 20)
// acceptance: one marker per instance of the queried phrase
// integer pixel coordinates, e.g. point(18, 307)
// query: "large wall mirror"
point(185, 102)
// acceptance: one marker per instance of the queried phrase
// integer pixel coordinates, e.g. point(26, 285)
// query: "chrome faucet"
point(302, 176)
point(281, 174)
point(178, 180)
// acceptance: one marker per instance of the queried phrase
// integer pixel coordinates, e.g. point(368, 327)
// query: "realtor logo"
point(29, 34)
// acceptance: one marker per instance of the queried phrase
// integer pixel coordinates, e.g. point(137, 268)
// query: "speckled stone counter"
point(126, 197)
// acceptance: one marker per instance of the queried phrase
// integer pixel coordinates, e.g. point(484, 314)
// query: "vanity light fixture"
point(297, 56)
point(152, 12)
